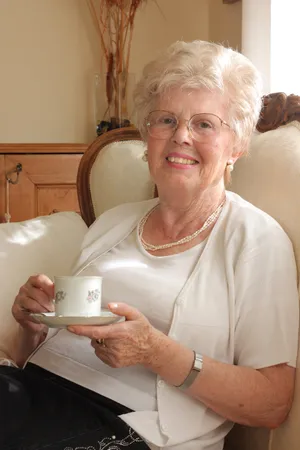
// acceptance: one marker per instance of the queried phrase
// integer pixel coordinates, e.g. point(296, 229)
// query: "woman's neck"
point(178, 219)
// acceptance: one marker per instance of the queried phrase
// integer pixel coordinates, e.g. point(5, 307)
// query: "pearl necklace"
point(211, 219)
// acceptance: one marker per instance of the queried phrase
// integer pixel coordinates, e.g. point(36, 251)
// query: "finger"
point(36, 327)
point(29, 293)
point(94, 343)
point(27, 306)
point(123, 309)
point(90, 331)
point(103, 357)
point(97, 346)
point(26, 320)
point(100, 350)
point(43, 282)
point(40, 297)
point(112, 331)
point(102, 353)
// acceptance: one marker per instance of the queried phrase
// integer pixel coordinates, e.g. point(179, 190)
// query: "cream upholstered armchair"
point(112, 171)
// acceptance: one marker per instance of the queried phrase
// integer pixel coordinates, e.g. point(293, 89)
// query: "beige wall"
point(49, 52)
point(46, 60)
point(225, 23)
point(158, 28)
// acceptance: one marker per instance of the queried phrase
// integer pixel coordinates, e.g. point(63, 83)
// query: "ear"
point(236, 156)
point(240, 147)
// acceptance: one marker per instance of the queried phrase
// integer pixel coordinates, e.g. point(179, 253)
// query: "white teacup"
point(77, 296)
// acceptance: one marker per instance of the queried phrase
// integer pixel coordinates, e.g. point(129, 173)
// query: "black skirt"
point(40, 410)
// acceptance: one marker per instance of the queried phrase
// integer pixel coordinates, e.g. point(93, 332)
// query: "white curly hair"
point(201, 64)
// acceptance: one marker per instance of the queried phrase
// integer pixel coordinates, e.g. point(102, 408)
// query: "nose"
point(182, 135)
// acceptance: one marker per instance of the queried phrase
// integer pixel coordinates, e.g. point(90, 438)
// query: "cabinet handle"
point(17, 170)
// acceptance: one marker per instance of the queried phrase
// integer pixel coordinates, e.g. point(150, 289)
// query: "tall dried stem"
point(99, 26)
point(114, 21)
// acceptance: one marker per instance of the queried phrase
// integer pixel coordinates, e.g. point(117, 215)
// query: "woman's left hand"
point(125, 343)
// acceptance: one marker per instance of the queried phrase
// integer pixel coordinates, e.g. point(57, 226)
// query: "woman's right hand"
point(36, 296)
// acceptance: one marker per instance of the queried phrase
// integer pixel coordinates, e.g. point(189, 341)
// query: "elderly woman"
point(206, 282)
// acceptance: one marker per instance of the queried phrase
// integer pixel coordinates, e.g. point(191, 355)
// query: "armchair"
point(112, 172)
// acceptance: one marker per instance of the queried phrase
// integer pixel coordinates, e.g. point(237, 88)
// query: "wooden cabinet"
point(46, 183)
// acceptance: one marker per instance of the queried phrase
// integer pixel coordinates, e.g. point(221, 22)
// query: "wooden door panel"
point(51, 169)
point(46, 183)
point(52, 199)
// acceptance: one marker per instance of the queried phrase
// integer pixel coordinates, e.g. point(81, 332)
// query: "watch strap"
point(195, 370)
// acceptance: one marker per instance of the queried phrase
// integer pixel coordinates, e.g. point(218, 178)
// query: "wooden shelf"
point(42, 148)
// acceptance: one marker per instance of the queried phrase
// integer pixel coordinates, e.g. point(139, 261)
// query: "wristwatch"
point(195, 370)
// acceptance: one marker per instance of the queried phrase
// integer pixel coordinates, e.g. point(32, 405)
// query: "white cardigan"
point(241, 294)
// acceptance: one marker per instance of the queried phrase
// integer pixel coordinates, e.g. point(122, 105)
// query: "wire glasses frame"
point(163, 125)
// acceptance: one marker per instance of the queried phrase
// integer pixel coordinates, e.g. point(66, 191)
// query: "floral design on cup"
point(60, 296)
point(93, 296)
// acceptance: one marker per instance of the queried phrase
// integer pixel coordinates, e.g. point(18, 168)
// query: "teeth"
point(181, 160)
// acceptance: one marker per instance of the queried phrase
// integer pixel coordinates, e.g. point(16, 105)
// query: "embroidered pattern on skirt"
point(111, 443)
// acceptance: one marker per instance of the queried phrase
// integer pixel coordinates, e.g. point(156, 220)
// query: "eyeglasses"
point(203, 126)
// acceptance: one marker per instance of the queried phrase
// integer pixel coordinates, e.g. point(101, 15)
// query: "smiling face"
point(181, 163)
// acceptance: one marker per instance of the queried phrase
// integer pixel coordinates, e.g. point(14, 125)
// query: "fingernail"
point(71, 329)
point(113, 305)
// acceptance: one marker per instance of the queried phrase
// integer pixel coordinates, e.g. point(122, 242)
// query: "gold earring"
point(145, 156)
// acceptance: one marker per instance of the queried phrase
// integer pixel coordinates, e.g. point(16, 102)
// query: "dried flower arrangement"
point(114, 21)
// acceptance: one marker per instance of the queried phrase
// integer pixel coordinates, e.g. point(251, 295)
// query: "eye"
point(167, 120)
point(202, 125)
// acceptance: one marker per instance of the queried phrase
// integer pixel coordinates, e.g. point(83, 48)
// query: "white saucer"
point(53, 321)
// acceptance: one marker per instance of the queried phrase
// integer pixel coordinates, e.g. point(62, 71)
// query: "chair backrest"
point(112, 172)
point(269, 177)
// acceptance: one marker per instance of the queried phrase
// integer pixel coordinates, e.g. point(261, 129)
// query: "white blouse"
point(236, 302)
point(146, 282)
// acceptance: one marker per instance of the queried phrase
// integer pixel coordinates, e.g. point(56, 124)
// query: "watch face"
point(198, 364)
